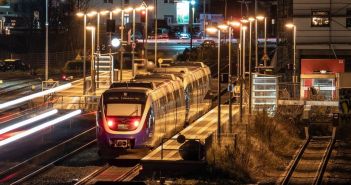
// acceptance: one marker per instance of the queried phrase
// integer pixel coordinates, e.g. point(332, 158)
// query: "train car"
point(136, 115)
point(142, 112)
point(196, 82)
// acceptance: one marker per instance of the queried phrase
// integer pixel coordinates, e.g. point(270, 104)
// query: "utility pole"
point(46, 41)
point(156, 32)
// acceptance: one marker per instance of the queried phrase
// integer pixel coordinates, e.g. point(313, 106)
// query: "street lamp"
point(92, 65)
point(294, 78)
point(231, 25)
point(192, 3)
point(218, 30)
point(265, 57)
point(251, 19)
point(81, 14)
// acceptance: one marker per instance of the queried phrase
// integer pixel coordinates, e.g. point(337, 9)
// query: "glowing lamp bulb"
point(136, 123)
point(110, 123)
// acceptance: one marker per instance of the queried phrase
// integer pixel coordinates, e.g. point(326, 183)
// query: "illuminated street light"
point(292, 26)
point(265, 56)
point(251, 19)
point(92, 65)
point(232, 24)
point(92, 13)
point(219, 28)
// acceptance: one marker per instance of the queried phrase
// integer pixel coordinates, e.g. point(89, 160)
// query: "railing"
point(178, 148)
point(289, 91)
point(86, 102)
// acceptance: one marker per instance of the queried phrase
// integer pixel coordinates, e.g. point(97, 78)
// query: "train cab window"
point(116, 109)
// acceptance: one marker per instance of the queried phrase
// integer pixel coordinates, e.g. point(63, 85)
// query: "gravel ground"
point(71, 170)
point(339, 166)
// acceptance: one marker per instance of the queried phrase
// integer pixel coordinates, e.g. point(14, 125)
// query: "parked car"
point(184, 36)
point(208, 44)
point(15, 64)
point(2, 66)
point(162, 33)
point(74, 69)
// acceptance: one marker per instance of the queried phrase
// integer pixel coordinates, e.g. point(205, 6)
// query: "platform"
point(73, 97)
point(166, 157)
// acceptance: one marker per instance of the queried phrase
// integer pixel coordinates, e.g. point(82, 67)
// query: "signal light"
point(143, 16)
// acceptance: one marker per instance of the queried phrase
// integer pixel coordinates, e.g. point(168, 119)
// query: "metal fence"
point(289, 91)
point(37, 60)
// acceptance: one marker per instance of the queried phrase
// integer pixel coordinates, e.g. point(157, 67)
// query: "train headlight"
point(110, 123)
point(136, 123)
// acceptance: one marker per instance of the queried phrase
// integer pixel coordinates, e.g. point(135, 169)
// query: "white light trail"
point(38, 128)
point(36, 95)
point(28, 121)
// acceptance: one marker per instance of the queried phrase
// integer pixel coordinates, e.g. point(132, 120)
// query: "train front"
point(121, 120)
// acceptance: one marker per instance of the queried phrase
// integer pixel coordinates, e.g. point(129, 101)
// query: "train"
point(142, 112)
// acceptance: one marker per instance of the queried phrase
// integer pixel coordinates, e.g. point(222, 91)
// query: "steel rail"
point(51, 164)
point(130, 174)
point(319, 177)
point(13, 85)
point(43, 155)
point(295, 162)
point(93, 175)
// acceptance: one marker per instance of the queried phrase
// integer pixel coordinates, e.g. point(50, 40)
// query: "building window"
point(320, 18)
point(166, 1)
point(169, 19)
point(126, 1)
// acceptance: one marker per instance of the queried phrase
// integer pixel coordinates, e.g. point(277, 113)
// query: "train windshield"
point(118, 109)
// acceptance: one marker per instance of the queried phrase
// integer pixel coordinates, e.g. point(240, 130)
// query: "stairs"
point(104, 70)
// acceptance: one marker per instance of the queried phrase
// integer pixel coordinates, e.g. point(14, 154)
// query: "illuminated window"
point(320, 18)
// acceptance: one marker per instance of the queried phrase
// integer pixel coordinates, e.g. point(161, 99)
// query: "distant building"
point(323, 29)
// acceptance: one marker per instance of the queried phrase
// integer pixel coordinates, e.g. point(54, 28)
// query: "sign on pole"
point(183, 12)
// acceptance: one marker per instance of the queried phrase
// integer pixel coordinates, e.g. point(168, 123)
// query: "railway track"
point(22, 84)
point(41, 162)
point(112, 174)
point(310, 162)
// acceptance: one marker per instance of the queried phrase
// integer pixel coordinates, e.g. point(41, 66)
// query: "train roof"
point(155, 76)
point(132, 89)
point(131, 84)
point(188, 63)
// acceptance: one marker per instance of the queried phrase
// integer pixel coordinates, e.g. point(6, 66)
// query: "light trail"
point(36, 95)
point(28, 121)
point(40, 127)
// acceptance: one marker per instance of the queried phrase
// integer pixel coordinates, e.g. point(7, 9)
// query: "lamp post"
point(218, 30)
point(232, 24)
point(156, 10)
point(260, 18)
point(244, 21)
point(242, 75)
point(80, 14)
point(92, 65)
point(192, 3)
point(146, 9)
point(46, 41)
point(294, 77)
point(251, 19)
